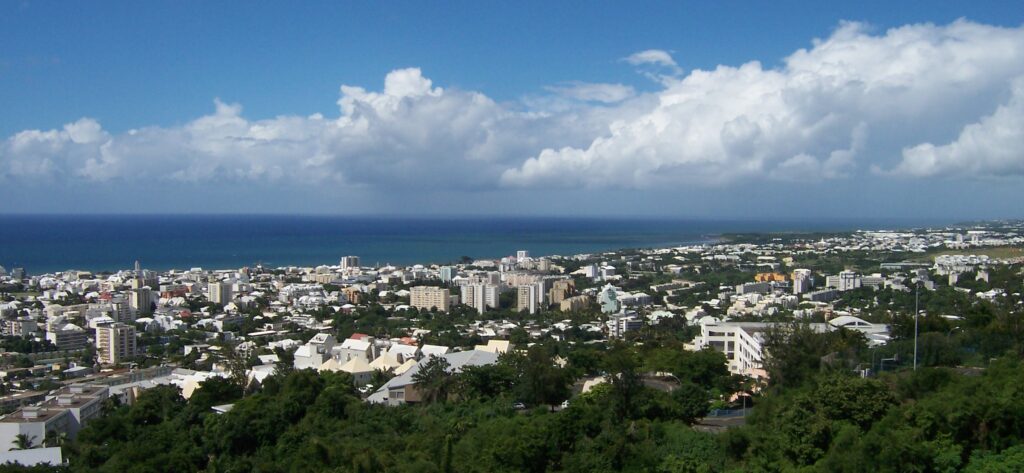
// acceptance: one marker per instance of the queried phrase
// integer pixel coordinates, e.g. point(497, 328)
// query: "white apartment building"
point(743, 342)
point(447, 273)
point(115, 343)
point(68, 337)
point(480, 296)
point(349, 262)
point(527, 299)
point(219, 292)
point(848, 281)
point(802, 281)
point(65, 412)
point(428, 297)
point(315, 352)
point(141, 300)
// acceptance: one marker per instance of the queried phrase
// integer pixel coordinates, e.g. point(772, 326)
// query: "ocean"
point(50, 243)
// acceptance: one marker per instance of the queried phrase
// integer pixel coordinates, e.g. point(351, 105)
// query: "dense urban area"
point(855, 351)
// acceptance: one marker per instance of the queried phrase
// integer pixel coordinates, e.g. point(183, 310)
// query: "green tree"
point(692, 400)
point(623, 367)
point(433, 380)
point(23, 442)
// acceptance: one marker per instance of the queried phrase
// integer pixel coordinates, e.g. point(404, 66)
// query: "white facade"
point(315, 352)
point(527, 298)
point(115, 343)
point(802, 281)
point(429, 297)
point(219, 292)
point(480, 296)
point(848, 281)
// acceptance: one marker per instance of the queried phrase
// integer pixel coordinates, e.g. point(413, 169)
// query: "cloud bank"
point(853, 99)
point(915, 102)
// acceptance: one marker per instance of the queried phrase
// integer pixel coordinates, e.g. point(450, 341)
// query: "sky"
point(669, 109)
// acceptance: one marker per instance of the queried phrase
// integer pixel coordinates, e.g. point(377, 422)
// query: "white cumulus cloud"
point(851, 100)
point(913, 102)
point(651, 56)
point(992, 147)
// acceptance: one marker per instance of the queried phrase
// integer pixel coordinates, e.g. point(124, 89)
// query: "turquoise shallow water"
point(108, 242)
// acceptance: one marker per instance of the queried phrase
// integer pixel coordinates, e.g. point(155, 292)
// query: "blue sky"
point(159, 66)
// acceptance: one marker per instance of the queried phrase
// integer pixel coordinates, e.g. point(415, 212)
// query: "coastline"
point(47, 244)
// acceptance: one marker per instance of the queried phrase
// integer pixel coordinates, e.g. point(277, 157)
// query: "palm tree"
point(23, 441)
point(55, 439)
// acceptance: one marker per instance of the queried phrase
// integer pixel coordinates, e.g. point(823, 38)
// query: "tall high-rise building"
point(802, 281)
point(115, 343)
point(219, 292)
point(116, 308)
point(481, 296)
point(848, 281)
point(522, 255)
point(560, 290)
point(544, 265)
point(143, 277)
point(527, 299)
point(349, 262)
point(447, 273)
point(142, 301)
point(428, 297)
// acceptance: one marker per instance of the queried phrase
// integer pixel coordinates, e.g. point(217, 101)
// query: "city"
point(75, 341)
point(511, 237)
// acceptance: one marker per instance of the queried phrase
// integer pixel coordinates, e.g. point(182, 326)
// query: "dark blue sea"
point(49, 243)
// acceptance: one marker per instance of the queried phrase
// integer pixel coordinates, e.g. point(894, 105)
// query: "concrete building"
point(527, 299)
point(824, 295)
point(620, 324)
point(743, 342)
point(315, 352)
point(574, 303)
point(429, 297)
point(68, 337)
point(480, 296)
point(219, 292)
point(363, 348)
point(349, 262)
point(848, 281)
point(754, 288)
point(115, 343)
point(803, 281)
point(33, 423)
point(560, 290)
point(447, 273)
point(63, 413)
point(141, 300)
point(609, 300)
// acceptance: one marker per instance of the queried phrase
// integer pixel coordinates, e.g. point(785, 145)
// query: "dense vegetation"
point(824, 419)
